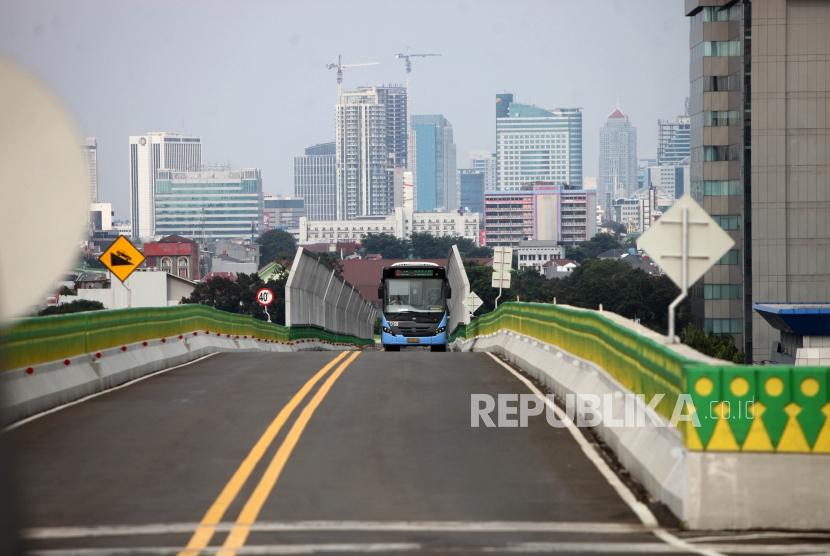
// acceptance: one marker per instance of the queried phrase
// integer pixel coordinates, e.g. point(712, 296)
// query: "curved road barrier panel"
point(457, 277)
point(49, 361)
point(756, 437)
point(317, 296)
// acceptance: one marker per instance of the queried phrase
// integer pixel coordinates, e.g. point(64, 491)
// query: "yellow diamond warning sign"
point(122, 258)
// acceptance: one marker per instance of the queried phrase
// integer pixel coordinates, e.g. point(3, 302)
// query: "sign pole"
point(267, 315)
point(497, 299)
point(684, 269)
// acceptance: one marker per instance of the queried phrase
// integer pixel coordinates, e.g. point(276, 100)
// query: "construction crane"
point(407, 58)
point(340, 65)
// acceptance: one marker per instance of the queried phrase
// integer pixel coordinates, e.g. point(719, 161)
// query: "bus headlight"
point(388, 330)
point(440, 329)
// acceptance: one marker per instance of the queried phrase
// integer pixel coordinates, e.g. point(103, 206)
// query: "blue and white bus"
point(414, 300)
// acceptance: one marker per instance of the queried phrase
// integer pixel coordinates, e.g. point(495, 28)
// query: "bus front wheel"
point(441, 347)
point(387, 347)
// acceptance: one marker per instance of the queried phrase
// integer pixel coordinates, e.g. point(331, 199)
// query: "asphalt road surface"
point(320, 452)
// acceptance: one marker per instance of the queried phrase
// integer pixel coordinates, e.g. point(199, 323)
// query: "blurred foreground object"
point(43, 214)
point(43, 191)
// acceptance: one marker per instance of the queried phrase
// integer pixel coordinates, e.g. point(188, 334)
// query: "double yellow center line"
point(247, 517)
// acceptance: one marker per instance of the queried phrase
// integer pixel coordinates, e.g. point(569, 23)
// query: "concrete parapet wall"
point(706, 490)
point(30, 390)
point(318, 296)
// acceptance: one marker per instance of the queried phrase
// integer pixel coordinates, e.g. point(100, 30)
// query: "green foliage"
point(77, 306)
point(67, 291)
point(617, 228)
point(428, 246)
point(593, 247)
point(240, 296)
point(620, 288)
point(386, 245)
point(331, 261)
point(275, 245)
point(422, 246)
point(714, 345)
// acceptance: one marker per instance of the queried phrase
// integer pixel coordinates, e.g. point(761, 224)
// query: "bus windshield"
point(422, 295)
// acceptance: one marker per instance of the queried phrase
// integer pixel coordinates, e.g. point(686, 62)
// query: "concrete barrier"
point(457, 277)
point(706, 490)
point(318, 296)
point(30, 390)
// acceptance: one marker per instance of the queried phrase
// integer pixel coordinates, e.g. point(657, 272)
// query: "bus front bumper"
point(398, 340)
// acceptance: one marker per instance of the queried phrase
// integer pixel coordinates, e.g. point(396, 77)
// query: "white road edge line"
point(42, 533)
point(760, 536)
point(640, 509)
point(96, 394)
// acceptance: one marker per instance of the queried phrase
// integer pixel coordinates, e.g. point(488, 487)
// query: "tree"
point(714, 345)
point(331, 262)
point(275, 245)
point(386, 245)
point(240, 296)
point(593, 247)
point(77, 306)
point(615, 285)
point(480, 277)
point(428, 246)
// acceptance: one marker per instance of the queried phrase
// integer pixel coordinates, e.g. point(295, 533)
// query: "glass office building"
point(209, 204)
point(534, 144)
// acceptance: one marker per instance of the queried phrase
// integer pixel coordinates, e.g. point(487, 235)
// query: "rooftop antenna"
point(340, 66)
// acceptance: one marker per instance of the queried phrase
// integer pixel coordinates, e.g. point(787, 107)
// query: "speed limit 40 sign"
point(264, 297)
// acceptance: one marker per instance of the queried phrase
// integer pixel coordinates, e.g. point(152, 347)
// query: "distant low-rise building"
point(402, 224)
point(144, 288)
point(559, 268)
point(536, 253)
point(174, 254)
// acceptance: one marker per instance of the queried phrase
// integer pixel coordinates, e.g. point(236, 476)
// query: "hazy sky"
point(249, 77)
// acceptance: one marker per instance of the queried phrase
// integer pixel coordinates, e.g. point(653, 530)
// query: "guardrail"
point(460, 284)
point(317, 296)
point(40, 339)
point(740, 407)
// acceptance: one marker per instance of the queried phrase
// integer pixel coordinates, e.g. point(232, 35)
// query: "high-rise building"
point(534, 144)
point(315, 181)
point(148, 154)
point(393, 98)
point(91, 153)
point(539, 211)
point(670, 181)
point(471, 188)
point(643, 165)
point(282, 212)
point(485, 162)
point(364, 182)
point(434, 164)
point(617, 159)
point(759, 161)
point(209, 203)
point(673, 141)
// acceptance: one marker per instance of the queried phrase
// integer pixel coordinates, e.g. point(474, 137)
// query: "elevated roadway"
point(320, 452)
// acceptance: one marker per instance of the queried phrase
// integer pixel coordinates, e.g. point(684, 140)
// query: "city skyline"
point(243, 89)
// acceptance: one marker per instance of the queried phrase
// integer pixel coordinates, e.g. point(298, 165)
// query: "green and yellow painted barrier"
point(41, 339)
point(739, 407)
